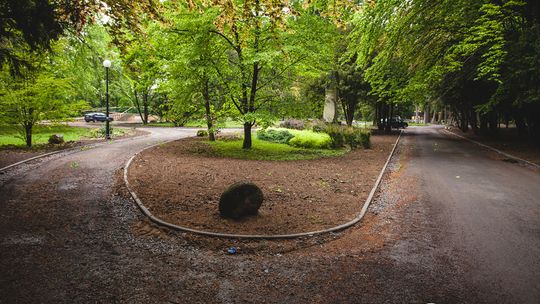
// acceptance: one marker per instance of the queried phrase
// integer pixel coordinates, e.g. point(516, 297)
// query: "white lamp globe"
point(107, 63)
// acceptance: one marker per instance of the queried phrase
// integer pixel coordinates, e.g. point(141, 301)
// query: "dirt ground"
point(180, 184)
point(508, 141)
point(67, 237)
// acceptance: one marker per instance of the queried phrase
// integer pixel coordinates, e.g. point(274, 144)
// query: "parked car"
point(91, 117)
point(396, 122)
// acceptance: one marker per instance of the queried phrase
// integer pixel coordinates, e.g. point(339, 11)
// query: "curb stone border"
point(495, 150)
point(163, 223)
point(90, 146)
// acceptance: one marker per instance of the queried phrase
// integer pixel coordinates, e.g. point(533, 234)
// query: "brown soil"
point(508, 141)
point(180, 184)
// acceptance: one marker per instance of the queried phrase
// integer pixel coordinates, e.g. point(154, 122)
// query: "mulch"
point(180, 182)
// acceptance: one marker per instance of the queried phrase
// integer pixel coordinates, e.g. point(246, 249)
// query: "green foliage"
point(9, 135)
point(263, 150)
point(36, 94)
point(277, 136)
point(102, 131)
point(262, 119)
point(202, 133)
point(309, 139)
point(336, 135)
point(351, 136)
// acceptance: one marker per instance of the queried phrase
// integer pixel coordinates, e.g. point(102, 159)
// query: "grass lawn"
point(41, 134)
point(263, 150)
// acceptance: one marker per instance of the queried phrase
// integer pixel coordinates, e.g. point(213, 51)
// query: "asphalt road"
point(453, 223)
point(490, 208)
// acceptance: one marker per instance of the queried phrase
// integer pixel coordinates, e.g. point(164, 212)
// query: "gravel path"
point(69, 234)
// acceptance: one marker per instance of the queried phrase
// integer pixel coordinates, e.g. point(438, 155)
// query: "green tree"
point(35, 95)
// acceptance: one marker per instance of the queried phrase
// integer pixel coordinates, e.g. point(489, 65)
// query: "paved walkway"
point(492, 209)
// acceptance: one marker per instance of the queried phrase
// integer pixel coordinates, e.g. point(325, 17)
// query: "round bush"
point(56, 139)
point(277, 136)
point(202, 133)
point(239, 200)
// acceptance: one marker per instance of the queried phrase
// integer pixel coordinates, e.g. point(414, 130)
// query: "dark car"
point(96, 117)
point(395, 122)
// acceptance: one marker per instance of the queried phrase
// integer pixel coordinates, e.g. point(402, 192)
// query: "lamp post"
point(107, 65)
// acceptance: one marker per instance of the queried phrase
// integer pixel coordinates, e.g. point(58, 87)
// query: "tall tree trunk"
point(145, 108)
point(473, 120)
point(138, 105)
point(330, 104)
point(464, 121)
point(247, 136)
point(416, 118)
point(493, 122)
point(376, 116)
point(28, 133)
point(209, 121)
point(348, 109)
point(389, 114)
point(426, 113)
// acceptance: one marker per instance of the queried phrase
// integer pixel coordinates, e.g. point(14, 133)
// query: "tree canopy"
point(473, 63)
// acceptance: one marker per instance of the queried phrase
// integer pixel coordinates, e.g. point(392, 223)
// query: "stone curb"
point(255, 236)
point(495, 149)
point(90, 146)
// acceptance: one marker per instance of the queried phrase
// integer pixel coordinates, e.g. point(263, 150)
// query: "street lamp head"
point(107, 63)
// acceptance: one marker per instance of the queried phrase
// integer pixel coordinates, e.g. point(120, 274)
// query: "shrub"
point(336, 134)
point(296, 124)
point(202, 133)
point(56, 139)
point(348, 135)
point(318, 128)
point(310, 140)
point(277, 136)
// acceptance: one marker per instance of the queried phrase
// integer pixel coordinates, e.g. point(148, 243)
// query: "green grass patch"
point(41, 134)
point(297, 138)
point(263, 150)
point(418, 124)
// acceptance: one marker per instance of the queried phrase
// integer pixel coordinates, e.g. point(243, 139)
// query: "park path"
point(66, 237)
point(56, 214)
point(491, 208)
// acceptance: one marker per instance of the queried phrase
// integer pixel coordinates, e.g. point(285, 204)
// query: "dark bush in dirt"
point(277, 136)
point(239, 200)
point(202, 133)
point(56, 139)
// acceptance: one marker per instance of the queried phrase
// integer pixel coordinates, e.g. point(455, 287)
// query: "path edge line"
point(494, 149)
point(346, 225)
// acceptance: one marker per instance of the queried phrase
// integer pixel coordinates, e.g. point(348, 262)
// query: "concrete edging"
point(90, 146)
point(161, 222)
point(495, 149)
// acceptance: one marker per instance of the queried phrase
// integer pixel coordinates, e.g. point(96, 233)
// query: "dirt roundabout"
point(181, 183)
